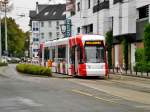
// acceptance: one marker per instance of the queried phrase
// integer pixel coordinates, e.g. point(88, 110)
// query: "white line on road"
point(90, 95)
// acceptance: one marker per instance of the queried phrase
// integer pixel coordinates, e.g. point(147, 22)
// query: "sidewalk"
point(129, 73)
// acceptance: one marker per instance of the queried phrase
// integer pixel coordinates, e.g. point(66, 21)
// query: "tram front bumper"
point(95, 72)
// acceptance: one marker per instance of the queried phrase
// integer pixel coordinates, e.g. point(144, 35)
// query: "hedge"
point(139, 54)
point(33, 69)
point(3, 64)
point(142, 67)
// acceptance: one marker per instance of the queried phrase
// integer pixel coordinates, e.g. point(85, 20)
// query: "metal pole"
point(0, 39)
point(6, 47)
point(98, 2)
point(0, 35)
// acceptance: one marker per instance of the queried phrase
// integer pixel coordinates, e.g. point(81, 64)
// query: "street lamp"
point(3, 7)
point(6, 39)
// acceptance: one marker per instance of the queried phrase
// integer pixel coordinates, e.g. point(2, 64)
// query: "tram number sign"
point(93, 42)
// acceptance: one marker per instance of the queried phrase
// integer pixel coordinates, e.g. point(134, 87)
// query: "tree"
point(147, 43)
point(16, 38)
point(109, 44)
point(125, 52)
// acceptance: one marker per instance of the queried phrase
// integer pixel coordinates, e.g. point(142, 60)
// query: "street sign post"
point(68, 27)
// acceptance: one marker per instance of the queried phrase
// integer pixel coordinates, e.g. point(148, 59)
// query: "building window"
point(78, 6)
point(42, 35)
point(143, 12)
point(57, 23)
point(57, 34)
point(35, 26)
point(50, 35)
point(50, 23)
point(89, 4)
point(78, 29)
point(35, 39)
point(88, 29)
point(42, 24)
point(35, 50)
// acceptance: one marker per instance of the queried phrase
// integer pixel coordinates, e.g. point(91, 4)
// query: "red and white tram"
point(82, 55)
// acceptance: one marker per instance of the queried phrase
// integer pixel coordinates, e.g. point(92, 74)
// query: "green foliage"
point(142, 66)
point(139, 55)
point(147, 42)
point(3, 64)
point(33, 69)
point(125, 52)
point(16, 38)
point(109, 44)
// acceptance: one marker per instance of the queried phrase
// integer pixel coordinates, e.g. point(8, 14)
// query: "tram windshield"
point(94, 54)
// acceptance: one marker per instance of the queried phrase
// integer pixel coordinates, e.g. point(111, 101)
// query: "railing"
point(100, 6)
point(129, 72)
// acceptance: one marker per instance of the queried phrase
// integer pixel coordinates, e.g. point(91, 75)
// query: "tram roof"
point(66, 40)
point(92, 37)
point(57, 42)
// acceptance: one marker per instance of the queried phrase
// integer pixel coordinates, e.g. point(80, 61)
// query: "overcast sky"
point(23, 7)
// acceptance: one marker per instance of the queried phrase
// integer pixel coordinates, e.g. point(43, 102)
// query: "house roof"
point(42, 6)
point(32, 13)
point(51, 12)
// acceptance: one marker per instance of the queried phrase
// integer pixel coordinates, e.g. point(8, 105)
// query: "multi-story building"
point(126, 18)
point(45, 24)
point(88, 18)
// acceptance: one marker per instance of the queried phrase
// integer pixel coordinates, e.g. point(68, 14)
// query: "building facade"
point(126, 18)
point(45, 24)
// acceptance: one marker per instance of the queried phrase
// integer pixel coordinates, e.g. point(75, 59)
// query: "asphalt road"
point(21, 93)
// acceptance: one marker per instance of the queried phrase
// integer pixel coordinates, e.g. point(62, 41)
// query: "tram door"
point(76, 60)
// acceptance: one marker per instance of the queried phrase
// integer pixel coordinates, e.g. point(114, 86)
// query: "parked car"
point(15, 60)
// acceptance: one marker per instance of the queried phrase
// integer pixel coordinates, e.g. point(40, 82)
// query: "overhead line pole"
point(0, 39)
point(6, 39)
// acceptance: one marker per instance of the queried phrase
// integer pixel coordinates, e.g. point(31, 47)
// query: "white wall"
point(46, 29)
point(124, 17)
point(86, 17)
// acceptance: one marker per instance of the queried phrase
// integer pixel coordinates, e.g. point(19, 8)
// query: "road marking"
point(28, 102)
point(81, 92)
point(105, 99)
point(90, 95)
point(143, 107)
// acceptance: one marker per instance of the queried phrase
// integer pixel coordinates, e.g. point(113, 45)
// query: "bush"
point(3, 64)
point(33, 69)
point(147, 42)
point(142, 67)
point(139, 54)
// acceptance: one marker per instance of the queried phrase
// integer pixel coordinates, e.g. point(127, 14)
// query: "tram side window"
point(72, 55)
point(80, 57)
point(62, 52)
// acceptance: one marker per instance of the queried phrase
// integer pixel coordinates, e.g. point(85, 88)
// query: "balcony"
point(118, 1)
point(100, 6)
point(140, 25)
